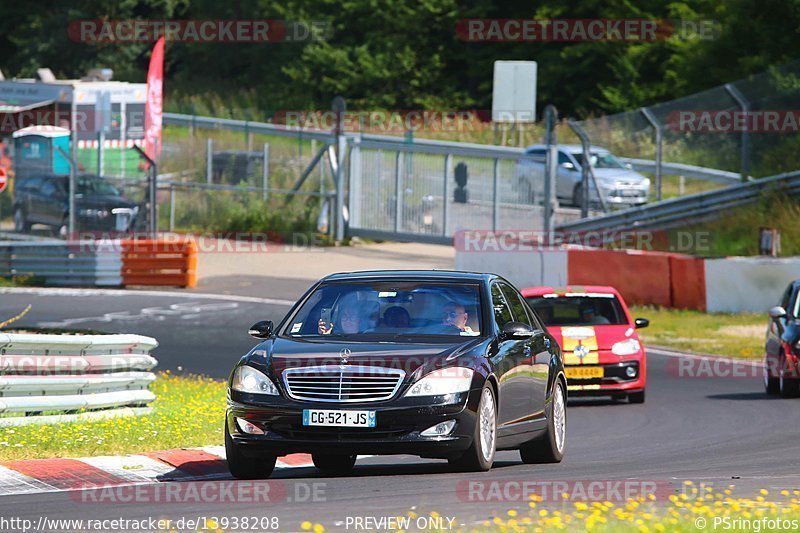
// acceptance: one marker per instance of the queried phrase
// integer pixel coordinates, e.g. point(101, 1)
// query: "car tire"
point(636, 397)
point(243, 467)
point(334, 463)
point(549, 448)
point(21, 224)
point(789, 387)
point(772, 385)
point(479, 457)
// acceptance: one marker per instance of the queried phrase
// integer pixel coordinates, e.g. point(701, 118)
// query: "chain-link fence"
point(748, 126)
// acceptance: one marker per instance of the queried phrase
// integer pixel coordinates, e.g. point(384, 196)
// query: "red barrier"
point(641, 277)
point(645, 278)
point(159, 262)
point(687, 282)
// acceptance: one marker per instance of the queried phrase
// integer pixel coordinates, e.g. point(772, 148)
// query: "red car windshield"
point(578, 310)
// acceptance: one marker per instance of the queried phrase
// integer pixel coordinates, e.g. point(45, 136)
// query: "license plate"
point(337, 418)
point(630, 192)
point(584, 372)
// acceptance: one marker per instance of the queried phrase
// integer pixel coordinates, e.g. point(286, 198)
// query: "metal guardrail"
point(42, 374)
point(61, 263)
point(690, 171)
point(675, 211)
point(246, 126)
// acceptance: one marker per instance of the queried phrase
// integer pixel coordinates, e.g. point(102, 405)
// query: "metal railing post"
point(495, 193)
point(209, 159)
point(101, 137)
point(744, 104)
point(648, 115)
point(551, 165)
point(448, 162)
point(171, 208)
point(340, 176)
point(265, 174)
point(398, 198)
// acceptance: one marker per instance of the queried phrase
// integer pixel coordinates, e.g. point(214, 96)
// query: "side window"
point(564, 158)
point(517, 307)
point(49, 188)
point(502, 314)
point(33, 184)
point(538, 154)
point(786, 298)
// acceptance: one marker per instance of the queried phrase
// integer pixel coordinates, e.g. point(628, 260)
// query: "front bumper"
point(614, 379)
point(399, 423)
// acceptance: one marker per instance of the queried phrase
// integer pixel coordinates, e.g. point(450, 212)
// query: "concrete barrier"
point(522, 268)
point(729, 285)
point(754, 284)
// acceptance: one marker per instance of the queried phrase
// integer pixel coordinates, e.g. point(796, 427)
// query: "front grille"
point(342, 383)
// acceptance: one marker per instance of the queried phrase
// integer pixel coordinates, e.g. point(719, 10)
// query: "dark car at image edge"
point(469, 370)
point(99, 206)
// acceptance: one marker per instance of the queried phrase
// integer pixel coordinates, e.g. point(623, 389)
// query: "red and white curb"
point(59, 474)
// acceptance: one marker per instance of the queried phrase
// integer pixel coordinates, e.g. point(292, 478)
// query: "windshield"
point(578, 310)
point(96, 187)
point(601, 160)
point(372, 311)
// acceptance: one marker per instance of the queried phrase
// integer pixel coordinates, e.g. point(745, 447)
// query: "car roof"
point(439, 275)
point(571, 148)
point(541, 290)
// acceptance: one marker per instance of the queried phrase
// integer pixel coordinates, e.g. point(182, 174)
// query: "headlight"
point(444, 381)
point(248, 379)
point(93, 213)
point(626, 347)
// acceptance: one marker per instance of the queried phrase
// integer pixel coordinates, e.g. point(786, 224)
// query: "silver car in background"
point(619, 184)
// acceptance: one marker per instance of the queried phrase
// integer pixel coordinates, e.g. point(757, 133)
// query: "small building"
point(84, 107)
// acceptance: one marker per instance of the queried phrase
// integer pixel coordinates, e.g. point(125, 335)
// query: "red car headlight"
point(626, 347)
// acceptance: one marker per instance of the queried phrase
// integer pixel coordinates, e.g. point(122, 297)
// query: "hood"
point(597, 337)
point(108, 201)
point(619, 174)
point(414, 358)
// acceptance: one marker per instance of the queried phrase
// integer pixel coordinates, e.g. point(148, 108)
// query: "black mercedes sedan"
point(438, 364)
point(782, 350)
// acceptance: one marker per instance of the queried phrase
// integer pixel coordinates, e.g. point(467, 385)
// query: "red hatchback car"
point(602, 353)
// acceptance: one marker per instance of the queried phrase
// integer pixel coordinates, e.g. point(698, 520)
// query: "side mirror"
point(777, 312)
point(261, 330)
point(517, 330)
point(628, 166)
point(641, 323)
point(567, 165)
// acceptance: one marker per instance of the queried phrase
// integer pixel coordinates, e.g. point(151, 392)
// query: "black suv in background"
point(45, 200)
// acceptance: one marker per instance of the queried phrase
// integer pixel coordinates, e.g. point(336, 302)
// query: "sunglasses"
point(453, 314)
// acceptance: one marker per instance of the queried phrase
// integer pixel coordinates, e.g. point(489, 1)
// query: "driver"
point(348, 321)
point(590, 316)
point(456, 315)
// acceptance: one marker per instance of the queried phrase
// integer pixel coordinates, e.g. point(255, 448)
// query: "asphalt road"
point(718, 429)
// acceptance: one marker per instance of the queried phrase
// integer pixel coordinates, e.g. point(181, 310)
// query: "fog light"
point(630, 372)
point(441, 429)
point(248, 427)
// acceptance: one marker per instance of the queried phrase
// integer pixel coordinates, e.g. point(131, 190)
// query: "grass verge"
point(693, 509)
point(188, 411)
point(732, 335)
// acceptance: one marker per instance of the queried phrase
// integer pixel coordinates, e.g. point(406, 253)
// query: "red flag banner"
point(155, 99)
